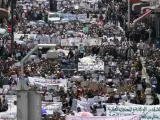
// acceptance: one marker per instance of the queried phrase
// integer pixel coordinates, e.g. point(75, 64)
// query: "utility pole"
point(12, 25)
point(129, 15)
point(2, 4)
point(51, 5)
point(113, 5)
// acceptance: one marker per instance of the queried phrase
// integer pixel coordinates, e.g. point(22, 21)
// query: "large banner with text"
point(131, 117)
point(147, 112)
point(90, 66)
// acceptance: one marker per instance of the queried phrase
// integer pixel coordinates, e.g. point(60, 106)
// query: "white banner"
point(53, 107)
point(82, 16)
point(132, 117)
point(71, 42)
point(48, 82)
point(90, 66)
point(32, 80)
point(85, 41)
point(147, 112)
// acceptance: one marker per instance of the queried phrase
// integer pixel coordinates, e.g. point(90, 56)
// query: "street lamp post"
point(129, 15)
point(28, 101)
point(28, 55)
point(12, 25)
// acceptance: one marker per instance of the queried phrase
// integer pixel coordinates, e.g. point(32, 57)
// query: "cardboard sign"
point(84, 83)
point(93, 86)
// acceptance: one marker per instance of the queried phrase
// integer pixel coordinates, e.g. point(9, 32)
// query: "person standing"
point(101, 17)
point(81, 51)
point(141, 47)
point(87, 14)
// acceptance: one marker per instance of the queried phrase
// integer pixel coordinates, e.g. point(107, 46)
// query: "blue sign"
point(72, 17)
point(82, 16)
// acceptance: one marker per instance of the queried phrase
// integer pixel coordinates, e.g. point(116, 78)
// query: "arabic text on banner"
point(90, 66)
point(147, 112)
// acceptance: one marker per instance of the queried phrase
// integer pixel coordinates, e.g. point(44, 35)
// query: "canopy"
point(149, 7)
point(137, 7)
point(142, 16)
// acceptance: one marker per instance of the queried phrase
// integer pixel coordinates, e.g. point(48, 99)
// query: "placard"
point(55, 107)
point(48, 97)
point(6, 87)
point(93, 86)
point(72, 17)
point(82, 16)
point(100, 111)
point(139, 87)
point(97, 98)
point(90, 66)
point(56, 99)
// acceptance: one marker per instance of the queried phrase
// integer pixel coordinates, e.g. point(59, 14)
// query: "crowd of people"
point(131, 59)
